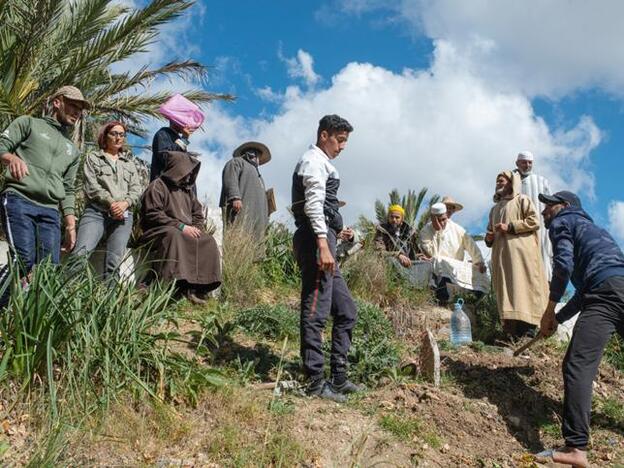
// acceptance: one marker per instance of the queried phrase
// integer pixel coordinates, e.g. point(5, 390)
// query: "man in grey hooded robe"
point(243, 194)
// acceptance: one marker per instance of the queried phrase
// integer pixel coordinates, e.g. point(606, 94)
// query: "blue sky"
point(442, 94)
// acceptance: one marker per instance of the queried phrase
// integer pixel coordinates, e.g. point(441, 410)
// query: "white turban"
point(525, 156)
point(438, 209)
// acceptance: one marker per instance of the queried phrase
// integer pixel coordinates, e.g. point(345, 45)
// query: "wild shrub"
point(374, 279)
point(242, 273)
point(88, 342)
point(279, 266)
point(270, 322)
point(488, 327)
point(374, 349)
point(368, 275)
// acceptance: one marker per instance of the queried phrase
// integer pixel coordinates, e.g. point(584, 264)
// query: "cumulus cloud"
point(450, 128)
point(616, 219)
point(443, 128)
point(549, 47)
point(301, 66)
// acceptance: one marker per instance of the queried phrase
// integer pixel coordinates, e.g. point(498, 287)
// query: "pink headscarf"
point(182, 112)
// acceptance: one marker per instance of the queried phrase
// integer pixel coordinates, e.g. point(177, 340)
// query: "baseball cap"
point(560, 197)
point(72, 93)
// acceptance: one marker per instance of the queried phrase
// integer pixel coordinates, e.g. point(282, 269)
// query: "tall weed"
point(488, 327)
point(279, 265)
point(374, 349)
point(271, 322)
point(242, 273)
point(89, 341)
point(372, 278)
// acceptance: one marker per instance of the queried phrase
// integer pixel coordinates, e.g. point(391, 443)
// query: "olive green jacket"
point(107, 181)
point(51, 157)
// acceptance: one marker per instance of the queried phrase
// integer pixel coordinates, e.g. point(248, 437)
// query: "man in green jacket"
point(40, 164)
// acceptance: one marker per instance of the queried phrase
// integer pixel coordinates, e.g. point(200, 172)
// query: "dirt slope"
point(491, 410)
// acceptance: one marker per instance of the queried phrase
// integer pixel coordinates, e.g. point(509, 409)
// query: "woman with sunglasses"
point(112, 187)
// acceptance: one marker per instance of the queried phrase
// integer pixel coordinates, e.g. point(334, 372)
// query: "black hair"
point(333, 124)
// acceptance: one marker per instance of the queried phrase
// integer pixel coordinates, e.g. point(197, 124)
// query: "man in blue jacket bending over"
point(587, 255)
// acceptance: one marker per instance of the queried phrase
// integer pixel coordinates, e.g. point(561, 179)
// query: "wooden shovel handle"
point(527, 345)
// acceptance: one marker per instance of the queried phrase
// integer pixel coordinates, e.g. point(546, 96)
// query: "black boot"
point(322, 389)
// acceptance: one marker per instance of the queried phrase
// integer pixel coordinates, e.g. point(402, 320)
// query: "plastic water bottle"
point(461, 331)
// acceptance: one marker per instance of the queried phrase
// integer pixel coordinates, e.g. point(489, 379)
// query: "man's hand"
point(237, 205)
point(481, 267)
point(118, 208)
point(70, 233)
point(326, 261)
point(405, 261)
point(423, 257)
point(346, 234)
point(502, 227)
point(548, 325)
point(191, 231)
point(17, 167)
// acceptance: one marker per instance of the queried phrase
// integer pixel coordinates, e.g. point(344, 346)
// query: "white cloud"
point(443, 128)
point(451, 128)
point(616, 219)
point(301, 66)
point(267, 94)
point(542, 47)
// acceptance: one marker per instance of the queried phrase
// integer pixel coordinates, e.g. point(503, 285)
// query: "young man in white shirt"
point(323, 290)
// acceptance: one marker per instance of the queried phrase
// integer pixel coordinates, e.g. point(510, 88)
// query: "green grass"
point(615, 352)
point(433, 440)
point(281, 407)
point(72, 345)
point(270, 322)
point(404, 428)
point(551, 429)
point(407, 428)
point(611, 408)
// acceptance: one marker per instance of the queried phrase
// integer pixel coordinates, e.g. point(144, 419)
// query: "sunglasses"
point(117, 134)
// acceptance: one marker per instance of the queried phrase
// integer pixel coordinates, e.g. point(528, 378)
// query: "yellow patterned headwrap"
point(398, 209)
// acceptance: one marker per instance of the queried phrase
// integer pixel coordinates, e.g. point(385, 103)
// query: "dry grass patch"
point(242, 272)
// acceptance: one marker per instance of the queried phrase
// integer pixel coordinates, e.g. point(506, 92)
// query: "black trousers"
point(602, 314)
point(441, 291)
point(322, 294)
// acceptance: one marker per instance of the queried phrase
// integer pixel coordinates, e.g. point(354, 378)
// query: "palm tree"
point(411, 203)
point(45, 44)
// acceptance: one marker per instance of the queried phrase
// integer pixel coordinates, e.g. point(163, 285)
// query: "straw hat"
point(449, 202)
point(265, 154)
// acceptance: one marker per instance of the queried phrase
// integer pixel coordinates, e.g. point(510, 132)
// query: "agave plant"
point(45, 44)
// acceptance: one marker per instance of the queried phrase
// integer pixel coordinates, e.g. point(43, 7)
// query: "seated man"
point(395, 237)
point(396, 240)
point(348, 244)
point(173, 225)
point(445, 243)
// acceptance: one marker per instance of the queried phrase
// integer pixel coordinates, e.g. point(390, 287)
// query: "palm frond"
point(45, 44)
point(380, 211)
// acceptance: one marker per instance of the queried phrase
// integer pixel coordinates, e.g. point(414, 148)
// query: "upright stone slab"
point(429, 358)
